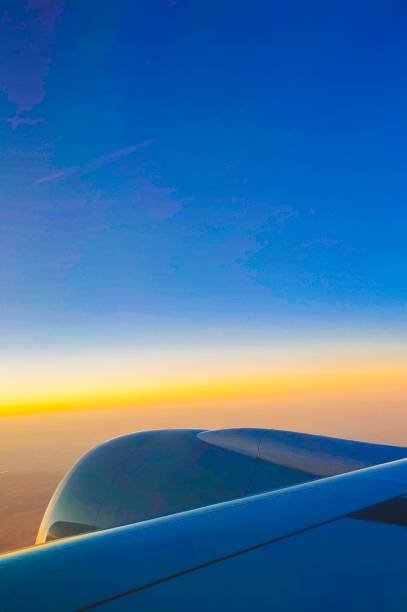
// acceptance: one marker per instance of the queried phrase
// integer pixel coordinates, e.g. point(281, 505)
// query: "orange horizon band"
point(367, 381)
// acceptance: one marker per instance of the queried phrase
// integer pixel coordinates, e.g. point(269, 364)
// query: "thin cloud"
point(93, 164)
point(18, 120)
point(25, 50)
point(57, 176)
point(318, 242)
point(110, 158)
point(157, 202)
point(281, 214)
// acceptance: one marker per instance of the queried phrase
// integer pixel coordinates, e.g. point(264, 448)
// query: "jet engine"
point(149, 474)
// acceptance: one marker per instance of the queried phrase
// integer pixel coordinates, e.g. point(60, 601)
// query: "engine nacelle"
point(155, 473)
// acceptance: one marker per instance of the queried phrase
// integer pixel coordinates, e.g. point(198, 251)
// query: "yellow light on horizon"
point(365, 382)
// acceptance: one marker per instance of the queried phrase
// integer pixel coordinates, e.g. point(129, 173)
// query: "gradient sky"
point(190, 190)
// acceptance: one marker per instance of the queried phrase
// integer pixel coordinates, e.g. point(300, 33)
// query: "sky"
point(201, 200)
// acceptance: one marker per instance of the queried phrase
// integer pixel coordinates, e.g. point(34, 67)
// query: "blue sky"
point(176, 165)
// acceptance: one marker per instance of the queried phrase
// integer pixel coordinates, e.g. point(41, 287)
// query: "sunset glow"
point(202, 225)
point(56, 380)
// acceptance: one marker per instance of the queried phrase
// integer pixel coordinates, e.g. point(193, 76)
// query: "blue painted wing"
point(337, 543)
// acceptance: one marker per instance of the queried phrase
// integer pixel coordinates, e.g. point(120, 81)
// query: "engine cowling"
point(155, 473)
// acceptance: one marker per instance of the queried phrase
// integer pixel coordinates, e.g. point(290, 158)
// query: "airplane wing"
point(336, 543)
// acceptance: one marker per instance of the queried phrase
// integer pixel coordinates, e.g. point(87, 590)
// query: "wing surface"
point(335, 543)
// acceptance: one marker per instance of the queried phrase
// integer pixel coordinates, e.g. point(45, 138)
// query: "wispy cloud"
point(323, 241)
point(157, 202)
point(110, 158)
point(18, 120)
point(281, 214)
point(25, 44)
point(93, 164)
point(57, 176)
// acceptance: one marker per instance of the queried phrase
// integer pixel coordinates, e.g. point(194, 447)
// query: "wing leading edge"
point(288, 549)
